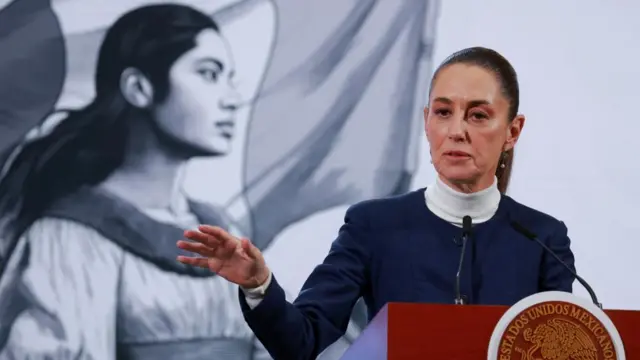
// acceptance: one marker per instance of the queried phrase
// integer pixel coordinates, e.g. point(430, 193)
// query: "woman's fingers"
point(212, 236)
point(194, 261)
point(215, 244)
point(212, 264)
point(209, 241)
point(250, 249)
point(203, 238)
point(197, 248)
point(221, 236)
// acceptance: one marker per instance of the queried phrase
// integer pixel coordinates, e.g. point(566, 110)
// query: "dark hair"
point(90, 143)
point(504, 72)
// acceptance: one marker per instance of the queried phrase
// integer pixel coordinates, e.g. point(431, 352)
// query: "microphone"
point(531, 236)
point(466, 231)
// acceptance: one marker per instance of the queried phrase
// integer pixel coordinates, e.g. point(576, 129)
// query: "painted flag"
point(338, 119)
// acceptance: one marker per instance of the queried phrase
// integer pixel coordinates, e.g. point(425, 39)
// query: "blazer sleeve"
point(320, 314)
point(554, 275)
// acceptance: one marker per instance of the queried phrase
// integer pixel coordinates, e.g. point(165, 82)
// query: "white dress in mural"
point(85, 296)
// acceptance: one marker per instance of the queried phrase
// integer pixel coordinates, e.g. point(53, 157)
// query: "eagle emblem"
point(558, 339)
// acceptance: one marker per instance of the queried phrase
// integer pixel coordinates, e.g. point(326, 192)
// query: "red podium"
point(403, 331)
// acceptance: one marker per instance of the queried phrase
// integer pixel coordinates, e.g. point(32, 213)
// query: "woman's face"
point(200, 108)
point(467, 126)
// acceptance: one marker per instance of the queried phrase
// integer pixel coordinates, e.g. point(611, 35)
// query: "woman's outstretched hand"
point(236, 260)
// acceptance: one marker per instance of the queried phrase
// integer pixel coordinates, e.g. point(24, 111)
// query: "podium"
point(412, 331)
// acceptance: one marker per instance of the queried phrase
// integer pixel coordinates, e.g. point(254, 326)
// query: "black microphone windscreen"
point(466, 224)
point(523, 230)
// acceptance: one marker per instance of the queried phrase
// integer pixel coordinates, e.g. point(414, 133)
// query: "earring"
point(503, 159)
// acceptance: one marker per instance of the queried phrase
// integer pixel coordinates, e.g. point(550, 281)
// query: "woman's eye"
point(479, 116)
point(209, 75)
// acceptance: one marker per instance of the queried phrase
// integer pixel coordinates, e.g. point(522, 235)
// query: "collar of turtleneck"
point(452, 205)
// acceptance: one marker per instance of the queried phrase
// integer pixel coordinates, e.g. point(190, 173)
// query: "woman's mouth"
point(457, 154)
point(226, 128)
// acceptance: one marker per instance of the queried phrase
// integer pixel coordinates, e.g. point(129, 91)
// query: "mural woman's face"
point(200, 108)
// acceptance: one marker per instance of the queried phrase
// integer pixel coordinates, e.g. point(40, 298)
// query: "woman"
point(94, 204)
point(400, 249)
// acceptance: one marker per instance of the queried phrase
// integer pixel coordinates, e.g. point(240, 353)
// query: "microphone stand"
point(531, 236)
point(459, 300)
point(466, 230)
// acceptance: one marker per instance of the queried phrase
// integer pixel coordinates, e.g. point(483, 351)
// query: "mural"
point(124, 122)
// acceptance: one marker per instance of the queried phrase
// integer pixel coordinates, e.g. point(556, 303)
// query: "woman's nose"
point(231, 102)
point(457, 128)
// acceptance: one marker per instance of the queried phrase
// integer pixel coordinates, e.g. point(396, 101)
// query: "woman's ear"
point(513, 132)
point(136, 88)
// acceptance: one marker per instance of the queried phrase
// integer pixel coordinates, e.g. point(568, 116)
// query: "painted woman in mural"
point(96, 204)
point(96, 192)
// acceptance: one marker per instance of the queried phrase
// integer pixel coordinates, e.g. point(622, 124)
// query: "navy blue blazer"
point(396, 250)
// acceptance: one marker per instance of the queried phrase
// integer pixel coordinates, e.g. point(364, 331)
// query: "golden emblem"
point(556, 330)
point(558, 339)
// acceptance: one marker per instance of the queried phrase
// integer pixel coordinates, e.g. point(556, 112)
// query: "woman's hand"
point(236, 260)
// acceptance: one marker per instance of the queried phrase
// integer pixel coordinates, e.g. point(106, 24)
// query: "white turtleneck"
point(452, 205)
point(445, 202)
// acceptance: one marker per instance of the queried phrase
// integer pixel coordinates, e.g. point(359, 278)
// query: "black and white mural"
point(124, 122)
